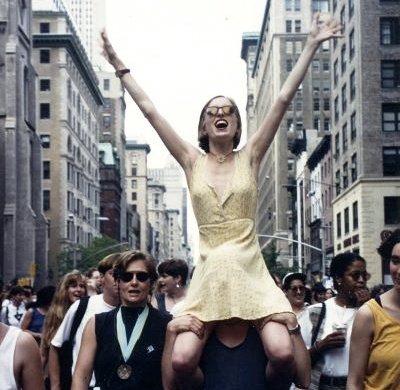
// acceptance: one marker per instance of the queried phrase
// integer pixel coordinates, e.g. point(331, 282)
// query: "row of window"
point(344, 133)
point(344, 175)
point(343, 95)
point(346, 220)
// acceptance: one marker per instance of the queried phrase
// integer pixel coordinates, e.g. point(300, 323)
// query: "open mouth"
point(221, 124)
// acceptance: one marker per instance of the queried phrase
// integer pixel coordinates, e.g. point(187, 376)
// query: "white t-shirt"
point(336, 360)
point(96, 305)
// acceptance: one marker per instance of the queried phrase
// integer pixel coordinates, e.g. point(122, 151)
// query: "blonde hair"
point(59, 306)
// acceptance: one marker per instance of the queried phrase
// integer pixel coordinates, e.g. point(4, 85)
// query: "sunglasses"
point(357, 274)
point(294, 289)
point(213, 110)
point(141, 276)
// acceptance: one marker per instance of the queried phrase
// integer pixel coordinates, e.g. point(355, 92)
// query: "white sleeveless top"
point(7, 350)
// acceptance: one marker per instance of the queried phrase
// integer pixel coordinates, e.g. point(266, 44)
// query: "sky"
point(182, 52)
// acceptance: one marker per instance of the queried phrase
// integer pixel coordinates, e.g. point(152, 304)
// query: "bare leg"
point(186, 355)
point(279, 350)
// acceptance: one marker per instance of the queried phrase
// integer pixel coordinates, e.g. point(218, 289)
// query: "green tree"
point(271, 258)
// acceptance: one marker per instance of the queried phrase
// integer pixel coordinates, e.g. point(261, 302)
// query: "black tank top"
point(238, 368)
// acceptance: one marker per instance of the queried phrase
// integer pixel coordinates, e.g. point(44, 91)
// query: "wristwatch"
point(295, 330)
point(119, 73)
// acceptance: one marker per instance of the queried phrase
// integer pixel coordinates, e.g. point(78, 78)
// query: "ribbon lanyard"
point(127, 347)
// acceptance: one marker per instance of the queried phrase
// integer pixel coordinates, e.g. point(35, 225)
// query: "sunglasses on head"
point(357, 274)
point(213, 110)
point(141, 276)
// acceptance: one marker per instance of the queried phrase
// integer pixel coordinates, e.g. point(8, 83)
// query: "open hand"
point(108, 51)
point(324, 28)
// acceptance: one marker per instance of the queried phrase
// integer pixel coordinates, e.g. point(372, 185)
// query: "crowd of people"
point(233, 327)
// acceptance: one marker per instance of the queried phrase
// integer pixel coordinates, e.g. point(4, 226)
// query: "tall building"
point(137, 189)
point(69, 107)
point(176, 193)
point(365, 129)
point(23, 229)
point(283, 33)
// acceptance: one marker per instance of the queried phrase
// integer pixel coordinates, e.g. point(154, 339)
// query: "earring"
point(178, 285)
point(339, 283)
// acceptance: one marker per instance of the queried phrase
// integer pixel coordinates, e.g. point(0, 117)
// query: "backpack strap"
point(318, 326)
point(78, 316)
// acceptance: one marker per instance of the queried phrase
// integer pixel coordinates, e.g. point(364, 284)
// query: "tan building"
point(136, 188)
point(175, 239)
point(158, 220)
point(366, 128)
point(281, 40)
point(23, 229)
point(69, 106)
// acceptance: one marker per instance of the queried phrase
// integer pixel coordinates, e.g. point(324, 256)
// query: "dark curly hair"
point(340, 264)
point(386, 248)
point(203, 138)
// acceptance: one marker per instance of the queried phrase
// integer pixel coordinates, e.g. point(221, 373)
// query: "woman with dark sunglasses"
point(124, 346)
point(375, 340)
point(231, 279)
point(331, 322)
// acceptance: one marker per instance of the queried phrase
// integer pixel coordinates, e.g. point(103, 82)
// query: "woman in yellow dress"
point(231, 279)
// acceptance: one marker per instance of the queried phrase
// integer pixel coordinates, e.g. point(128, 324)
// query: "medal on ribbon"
point(124, 371)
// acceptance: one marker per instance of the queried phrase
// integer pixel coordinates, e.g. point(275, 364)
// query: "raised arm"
point(183, 151)
point(258, 144)
point(361, 338)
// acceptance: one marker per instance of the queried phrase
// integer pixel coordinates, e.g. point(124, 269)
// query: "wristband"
point(295, 330)
point(119, 73)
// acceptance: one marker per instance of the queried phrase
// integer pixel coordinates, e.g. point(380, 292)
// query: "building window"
point(343, 59)
point(352, 45)
point(337, 182)
point(390, 31)
point(338, 225)
point(327, 104)
point(288, 26)
point(315, 66)
point(45, 141)
point(44, 110)
point(337, 146)
point(392, 210)
point(297, 5)
point(44, 85)
point(288, 5)
point(134, 170)
point(44, 56)
point(46, 200)
point(133, 184)
point(325, 65)
point(289, 47)
point(391, 117)
point(316, 104)
point(344, 98)
point(351, 8)
point(345, 140)
point(355, 215)
point(391, 161)
point(336, 108)
point(390, 74)
point(289, 124)
point(353, 126)
point(106, 84)
point(316, 123)
point(46, 169)
point(354, 172)
point(346, 221)
point(289, 65)
point(343, 19)
point(44, 28)
point(335, 73)
point(297, 26)
point(327, 124)
point(352, 85)
point(134, 196)
point(106, 121)
point(345, 176)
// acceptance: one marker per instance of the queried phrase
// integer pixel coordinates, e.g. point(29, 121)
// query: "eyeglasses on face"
point(355, 275)
point(141, 276)
point(213, 110)
point(294, 289)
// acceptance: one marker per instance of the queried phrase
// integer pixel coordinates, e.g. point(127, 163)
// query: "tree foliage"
point(271, 258)
point(85, 257)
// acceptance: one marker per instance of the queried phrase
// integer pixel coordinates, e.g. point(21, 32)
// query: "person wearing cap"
point(294, 287)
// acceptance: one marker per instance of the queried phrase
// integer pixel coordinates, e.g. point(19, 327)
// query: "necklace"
point(221, 158)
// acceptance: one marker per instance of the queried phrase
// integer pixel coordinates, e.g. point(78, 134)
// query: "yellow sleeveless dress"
point(230, 279)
